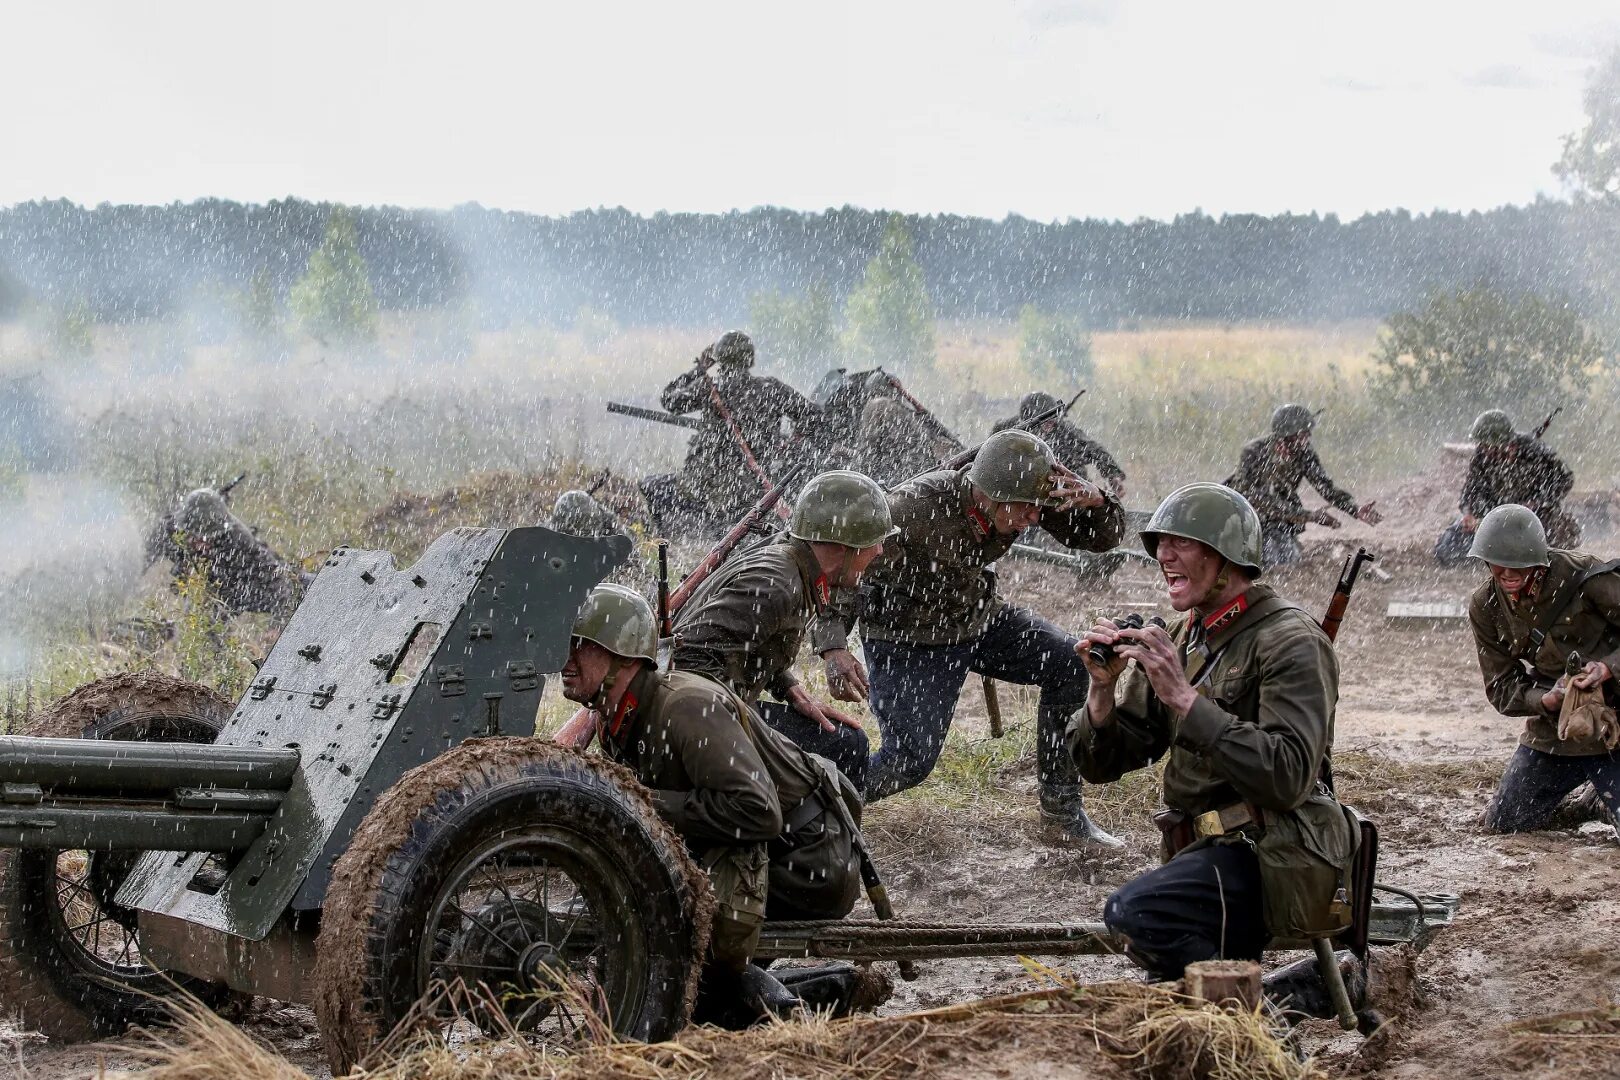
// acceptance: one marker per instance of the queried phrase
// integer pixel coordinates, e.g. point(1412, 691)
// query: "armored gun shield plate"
point(379, 670)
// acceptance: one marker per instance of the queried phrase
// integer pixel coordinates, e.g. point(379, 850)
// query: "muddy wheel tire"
point(397, 924)
point(51, 977)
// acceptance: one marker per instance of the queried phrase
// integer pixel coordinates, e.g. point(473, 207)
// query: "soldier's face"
point(1189, 569)
point(585, 671)
point(855, 565)
point(1514, 580)
point(1009, 519)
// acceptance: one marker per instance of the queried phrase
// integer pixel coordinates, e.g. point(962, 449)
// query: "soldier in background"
point(718, 482)
point(577, 512)
point(1269, 473)
point(1073, 448)
point(892, 446)
point(1509, 466)
point(201, 532)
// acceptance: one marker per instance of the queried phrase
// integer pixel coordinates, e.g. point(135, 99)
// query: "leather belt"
point(1225, 820)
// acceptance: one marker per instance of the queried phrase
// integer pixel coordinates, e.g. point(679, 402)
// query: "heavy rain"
point(1060, 538)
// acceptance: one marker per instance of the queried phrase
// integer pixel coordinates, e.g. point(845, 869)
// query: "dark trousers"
point(1534, 782)
point(914, 690)
point(1202, 905)
point(1452, 547)
point(845, 747)
point(1279, 543)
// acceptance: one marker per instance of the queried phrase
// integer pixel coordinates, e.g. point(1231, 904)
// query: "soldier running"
point(743, 627)
point(931, 615)
point(1540, 607)
point(775, 828)
point(1240, 692)
point(1070, 444)
point(1509, 466)
point(741, 436)
point(1269, 473)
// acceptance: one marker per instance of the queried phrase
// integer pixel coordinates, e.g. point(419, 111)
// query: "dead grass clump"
point(1583, 1043)
point(204, 1046)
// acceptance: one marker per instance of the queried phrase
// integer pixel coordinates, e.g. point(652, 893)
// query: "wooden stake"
point(1220, 981)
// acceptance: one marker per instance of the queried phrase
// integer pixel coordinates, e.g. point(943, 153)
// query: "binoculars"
point(1102, 655)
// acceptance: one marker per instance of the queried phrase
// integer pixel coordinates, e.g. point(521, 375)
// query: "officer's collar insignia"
point(823, 591)
point(980, 523)
point(1217, 621)
point(627, 705)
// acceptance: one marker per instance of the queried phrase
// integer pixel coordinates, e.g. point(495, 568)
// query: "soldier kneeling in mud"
point(1542, 613)
point(201, 532)
point(776, 828)
point(1240, 691)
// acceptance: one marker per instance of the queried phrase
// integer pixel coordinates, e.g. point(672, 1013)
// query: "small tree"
point(1053, 344)
point(1591, 159)
point(333, 300)
point(795, 331)
point(73, 333)
point(888, 318)
point(1479, 349)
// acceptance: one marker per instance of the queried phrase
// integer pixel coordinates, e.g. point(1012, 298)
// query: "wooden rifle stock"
point(966, 457)
point(722, 551)
point(1341, 594)
point(1541, 429)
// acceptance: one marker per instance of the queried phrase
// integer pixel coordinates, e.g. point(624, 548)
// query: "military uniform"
point(1528, 473)
point(1269, 474)
point(1545, 768)
point(930, 615)
point(892, 446)
point(242, 570)
point(1252, 752)
point(744, 626)
point(1069, 443)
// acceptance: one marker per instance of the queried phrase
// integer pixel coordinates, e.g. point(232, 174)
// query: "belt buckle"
point(1209, 824)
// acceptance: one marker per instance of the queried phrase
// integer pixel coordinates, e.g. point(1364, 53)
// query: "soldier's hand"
point(846, 678)
point(1104, 632)
point(1369, 513)
point(1160, 661)
point(1072, 491)
point(1593, 674)
point(1469, 522)
point(825, 715)
point(1553, 700)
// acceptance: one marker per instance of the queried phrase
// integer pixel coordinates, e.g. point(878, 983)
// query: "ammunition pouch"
point(1306, 857)
point(1175, 832)
point(815, 862)
point(739, 877)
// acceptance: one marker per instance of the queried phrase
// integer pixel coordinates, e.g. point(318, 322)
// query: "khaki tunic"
point(932, 585)
point(1532, 476)
point(716, 471)
point(1270, 480)
point(1590, 625)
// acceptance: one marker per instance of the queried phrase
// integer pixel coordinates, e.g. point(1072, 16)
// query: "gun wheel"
point(70, 959)
point(516, 888)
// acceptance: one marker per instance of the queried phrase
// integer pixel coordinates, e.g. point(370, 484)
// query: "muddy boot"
point(765, 995)
point(735, 1000)
point(1063, 812)
point(837, 989)
point(1297, 990)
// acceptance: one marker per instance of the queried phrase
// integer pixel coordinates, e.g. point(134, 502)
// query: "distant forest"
point(128, 262)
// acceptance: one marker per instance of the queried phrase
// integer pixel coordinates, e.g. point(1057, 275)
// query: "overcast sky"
point(1047, 108)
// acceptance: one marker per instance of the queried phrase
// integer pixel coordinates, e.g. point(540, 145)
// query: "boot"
point(837, 988)
point(764, 993)
point(1298, 988)
point(1063, 811)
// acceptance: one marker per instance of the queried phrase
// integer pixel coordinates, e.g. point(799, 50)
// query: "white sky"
point(1047, 108)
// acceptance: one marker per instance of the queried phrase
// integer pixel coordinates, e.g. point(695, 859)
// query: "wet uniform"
point(892, 446)
point(930, 615)
point(1531, 475)
point(1073, 448)
point(1269, 475)
point(202, 533)
point(1252, 747)
point(1545, 768)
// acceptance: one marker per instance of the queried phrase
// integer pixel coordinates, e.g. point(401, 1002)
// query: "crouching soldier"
point(713, 773)
point(1542, 609)
point(1240, 691)
point(744, 626)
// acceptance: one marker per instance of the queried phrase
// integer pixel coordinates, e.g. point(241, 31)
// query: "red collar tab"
point(823, 591)
point(1217, 621)
point(977, 518)
point(627, 705)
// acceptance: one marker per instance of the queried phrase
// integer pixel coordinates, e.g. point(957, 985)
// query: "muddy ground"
point(1539, 929)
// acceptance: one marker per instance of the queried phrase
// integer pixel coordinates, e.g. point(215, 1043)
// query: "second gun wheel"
point(515, 886)
point(70, 959)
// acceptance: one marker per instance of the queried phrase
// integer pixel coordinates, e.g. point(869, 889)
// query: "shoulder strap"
point(1561, 600)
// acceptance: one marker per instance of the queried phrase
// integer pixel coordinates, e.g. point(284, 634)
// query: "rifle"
point(929, 420)
point(1541, 429)
point(1341, 593)
point(956, 461)
point(665, 629)
point(225, 489)
point(740, 439)
point(656, 415)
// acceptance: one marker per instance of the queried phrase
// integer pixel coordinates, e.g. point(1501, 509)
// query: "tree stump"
point(1221, 981)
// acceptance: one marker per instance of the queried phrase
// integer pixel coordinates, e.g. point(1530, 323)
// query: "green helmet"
point(1014, 467)
point(1292, 419)
point(619, 620)
point(1510, 536)
point(734, 348)
point(1215, 516)
point(842, 507)
point(1492, 427)
point(1036, 402)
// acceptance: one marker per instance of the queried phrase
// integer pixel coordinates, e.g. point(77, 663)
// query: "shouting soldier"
point(1509, 466)
point(1269, 473)
point(931, 615)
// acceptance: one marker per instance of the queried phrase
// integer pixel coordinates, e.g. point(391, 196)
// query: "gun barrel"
point(105, 766)
point(656, 415)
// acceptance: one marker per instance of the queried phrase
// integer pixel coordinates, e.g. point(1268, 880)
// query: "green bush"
point(333, 300)
point(888, 319)
point(796, 332)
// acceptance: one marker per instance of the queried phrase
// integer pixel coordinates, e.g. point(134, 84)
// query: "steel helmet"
point(842, 507)
point(1014, 467)
point(1215, 516)
point(619, 620)
point(734, 348)
point(1036, 402)
point(1492, 427)
point(1510, 536)
point(577, 513)
point(1292, 419)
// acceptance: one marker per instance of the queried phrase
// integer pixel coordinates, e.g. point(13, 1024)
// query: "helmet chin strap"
point(599, 699)
point(1218, 586)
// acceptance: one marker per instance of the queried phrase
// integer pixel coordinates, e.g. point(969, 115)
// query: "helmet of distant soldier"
point(1512, 536)
point(203, 513)
point(1292, 419)
point(842, 507)
point(1014, 467)
point(1036, 402)
point(734, 349)
point(620, 620)
point(1215, 516)
point(577, 513)
point(1491, 428)
point(878, 382)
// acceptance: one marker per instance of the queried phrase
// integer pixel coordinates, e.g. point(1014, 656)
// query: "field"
point(390, 448)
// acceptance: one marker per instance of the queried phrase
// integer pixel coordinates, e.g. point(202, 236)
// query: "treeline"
point(127, 262)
